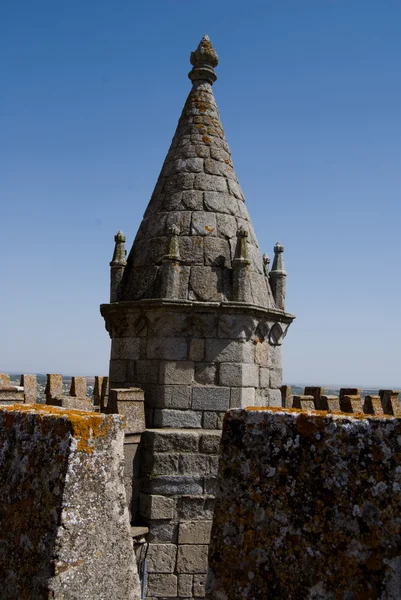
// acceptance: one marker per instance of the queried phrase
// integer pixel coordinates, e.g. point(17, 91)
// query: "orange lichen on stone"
point(86, 426)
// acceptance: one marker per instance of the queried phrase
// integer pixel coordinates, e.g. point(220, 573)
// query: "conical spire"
point(197, 191)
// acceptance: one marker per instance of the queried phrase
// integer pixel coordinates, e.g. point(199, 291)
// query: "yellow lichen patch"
point(318, 413)
point(85, 426)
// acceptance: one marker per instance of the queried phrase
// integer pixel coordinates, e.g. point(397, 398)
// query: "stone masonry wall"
point(308, 507)
point(195, 364)
point(178, 477)
point(64, 528)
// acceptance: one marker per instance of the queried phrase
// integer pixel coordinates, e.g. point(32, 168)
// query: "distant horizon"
point(333, 386)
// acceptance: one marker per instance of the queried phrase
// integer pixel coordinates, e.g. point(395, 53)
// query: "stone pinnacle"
point(204, 59)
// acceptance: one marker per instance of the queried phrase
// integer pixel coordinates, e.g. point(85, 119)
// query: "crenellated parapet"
point(25, 392)
point(349, 400)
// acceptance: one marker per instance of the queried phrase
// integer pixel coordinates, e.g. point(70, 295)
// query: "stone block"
point(162, 585)
point(170, 396)
point(210, 443)
point(316, 392)
point(276, 378)
point(4, 379)
point(177, 419)
point(303, 402)
point(210, 183)
point(126, 348)
point(239, 375)
point(230, 351)
point(275, 357)
point(10, 394)
point(161, 558)
point(238, 327)
point(286, 400)
point(262, 353)
point(167, 348)
point(372, 405)
point(29, 383)
point(65, 528)
point(264, 377)
point(242, 397)
point(267, 397)
point(349, 392)
point(196, 349)
point(192, 559)
point(159, 463)
point(156, 507)
point(169, 485)
point(219, 202)
point(205, 373)
point(330, 403)
point(351, 404)
point(162, 532)
point(71, 403)
point(194, 532)
point(171, 441)
point(195, 507)
point(209, 420)
point(226, 226)
point(206, 283)
point(217, 252)
point(54, 385)
point(180, 218)
point(210, 398)
point(203, 223)
point(185, 585)
point(178, 372)
point(194, 464)
point(118, 371)
point(210, 485)
point(191, 249)
point(199, 586)
point(147, 371)
point(128, 403)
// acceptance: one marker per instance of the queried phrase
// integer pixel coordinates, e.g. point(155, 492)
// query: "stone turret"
point(197, 327)
point(195, 297)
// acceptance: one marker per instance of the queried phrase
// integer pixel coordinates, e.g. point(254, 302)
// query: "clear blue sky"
point(310, 99)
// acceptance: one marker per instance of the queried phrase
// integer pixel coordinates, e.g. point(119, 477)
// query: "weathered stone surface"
point(129, 403)
point(78, 387)
point(181, 372)
point(156, 507)
point(29, 383)
point(194, 532)
point(162, 585)
point(217, 252)
point(206, 283)
point(205, 373)
point(167, 348)
point(177, 419)
point(4, 379)
point(160, 440)
point(62, 490)
point(210, 398)
point(229, 351)
point(242, 397)
point(203, 223)
point(239, 375)
point(332, 530)
point(170, 485)
point(192, 559)
point(185, 585)
point(161, 558)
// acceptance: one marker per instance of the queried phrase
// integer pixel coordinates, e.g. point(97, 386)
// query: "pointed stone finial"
point(241, 253)
point(170, 271)
point(173, 248)
point(204, 59)
point(117, 265)
point(266, 263)
point(278, 277)
point(119, 250)
point(241, 275)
